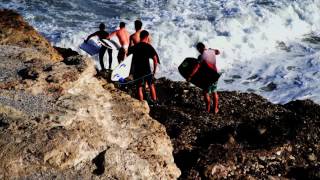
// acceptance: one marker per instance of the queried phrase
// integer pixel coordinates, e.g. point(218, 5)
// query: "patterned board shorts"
point(213, 88)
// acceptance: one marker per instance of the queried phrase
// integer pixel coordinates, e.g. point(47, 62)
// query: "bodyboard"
point(203, 78)
point(90, 47)
point(122, 71)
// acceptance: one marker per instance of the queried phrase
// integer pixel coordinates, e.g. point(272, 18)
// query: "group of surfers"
point(139, 45)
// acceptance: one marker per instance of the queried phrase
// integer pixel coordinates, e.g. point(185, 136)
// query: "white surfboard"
point(122, 71)
point(110, 44)
point(90, 47)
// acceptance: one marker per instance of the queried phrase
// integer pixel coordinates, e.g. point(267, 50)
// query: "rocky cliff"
point(59, 121)
point(250, 138)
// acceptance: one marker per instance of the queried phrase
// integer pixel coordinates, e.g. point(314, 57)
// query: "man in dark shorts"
point(208, 58)
point(102, 34)
point(142, 52)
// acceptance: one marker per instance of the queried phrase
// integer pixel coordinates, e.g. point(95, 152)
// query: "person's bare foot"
point(216, 111)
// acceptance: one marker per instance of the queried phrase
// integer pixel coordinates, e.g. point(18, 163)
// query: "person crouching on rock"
point(208, 58)
point(140, 63)
point(102, 34)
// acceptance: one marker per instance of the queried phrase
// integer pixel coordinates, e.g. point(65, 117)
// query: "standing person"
point(208, 58)
point(141, 64)
point(135, 37)
point(123, 37)
point(102, 34)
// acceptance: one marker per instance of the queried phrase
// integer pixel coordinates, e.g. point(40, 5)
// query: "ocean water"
point(269, 47)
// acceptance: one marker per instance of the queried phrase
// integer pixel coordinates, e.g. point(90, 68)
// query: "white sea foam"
point(262, 39)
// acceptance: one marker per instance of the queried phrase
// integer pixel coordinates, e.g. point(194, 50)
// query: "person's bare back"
point(123, 37)
point(135, 38)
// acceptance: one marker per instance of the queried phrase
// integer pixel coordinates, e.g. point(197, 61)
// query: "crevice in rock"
point(99, 162)
point(28, 73)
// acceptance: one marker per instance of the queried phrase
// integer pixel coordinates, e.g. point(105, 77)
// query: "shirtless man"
point(135, 37)
point(123, 37)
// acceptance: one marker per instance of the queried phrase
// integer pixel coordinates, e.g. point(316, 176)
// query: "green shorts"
point(213, 88)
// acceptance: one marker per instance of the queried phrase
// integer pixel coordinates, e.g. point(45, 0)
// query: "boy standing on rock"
point(142, 52)
point(208, 58)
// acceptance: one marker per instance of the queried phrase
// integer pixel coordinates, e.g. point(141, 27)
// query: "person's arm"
point(90, 36)
point(195, 69)
point(112, 34)
point(149, 39)
point(158, 59)
point(131, 41)
point(155, 63)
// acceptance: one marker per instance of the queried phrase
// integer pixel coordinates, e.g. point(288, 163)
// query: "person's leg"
point(110, 57)
point(206, 97)
point(153, 90)
point(215, 102)
point(140, 89)
point(121, 55)
point(149, 80)
point(101, 54)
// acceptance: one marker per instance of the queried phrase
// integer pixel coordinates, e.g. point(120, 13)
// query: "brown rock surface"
point(15, 31)
point(58, 121)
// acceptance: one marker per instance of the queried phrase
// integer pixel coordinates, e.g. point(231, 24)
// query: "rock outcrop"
point(15, 31)
point(250, 138)
point(59, 121)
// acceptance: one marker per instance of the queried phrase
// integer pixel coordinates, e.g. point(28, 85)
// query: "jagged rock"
point(255, 136)
point(65, 123)
point(16, 32)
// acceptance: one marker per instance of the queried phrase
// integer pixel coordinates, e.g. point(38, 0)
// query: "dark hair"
point(102, 26)
point(200, 45)
point(137, 24)
point(144, 34)
point(122, 24)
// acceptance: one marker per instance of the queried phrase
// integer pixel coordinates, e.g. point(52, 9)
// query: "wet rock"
point(312, 157)
point(247, 130)
point(236, 77)
point(65, 53)
point(270, 87)
point(228, 81)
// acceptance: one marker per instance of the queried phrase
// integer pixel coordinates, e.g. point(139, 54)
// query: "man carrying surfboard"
point(142, 52)
point(208, 58)
point(123, 36)
point(102, 34)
